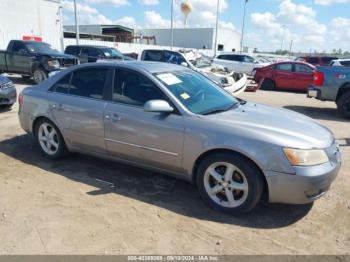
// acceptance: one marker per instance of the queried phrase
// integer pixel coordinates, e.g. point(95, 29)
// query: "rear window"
point(72, 50)
point(152, 55)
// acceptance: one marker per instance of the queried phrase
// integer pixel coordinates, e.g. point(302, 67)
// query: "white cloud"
point(292, 22)
point(115, 3)
point(330, 2)
point(149, 2)
point(86, 14)
point(339, 30)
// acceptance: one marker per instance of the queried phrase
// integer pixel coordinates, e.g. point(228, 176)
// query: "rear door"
point(283, 75)
point(248, 64)
point(77, 104)
point(154, 139)
point(303, 77)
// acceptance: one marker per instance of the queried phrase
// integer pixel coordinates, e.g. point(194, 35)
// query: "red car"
point(289, 75)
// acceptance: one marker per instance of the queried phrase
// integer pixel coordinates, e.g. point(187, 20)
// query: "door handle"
point(116, 118)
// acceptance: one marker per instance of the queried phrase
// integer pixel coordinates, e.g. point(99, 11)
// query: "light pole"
point(172, 24)
point(284, 29)
point(216, 28)
point(76, 22)
point(243, 24)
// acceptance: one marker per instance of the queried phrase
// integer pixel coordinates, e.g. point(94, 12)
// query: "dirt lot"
point(82, 205)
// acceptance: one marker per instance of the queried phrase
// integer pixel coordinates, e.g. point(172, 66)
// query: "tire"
point(268, 85)
point(26, 77)
point(213, 175)
point(39, 75)
point(343, 105)
point(50, 142)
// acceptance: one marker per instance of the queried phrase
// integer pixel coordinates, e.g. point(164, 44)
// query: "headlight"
point(298, 157)
point(53, 63)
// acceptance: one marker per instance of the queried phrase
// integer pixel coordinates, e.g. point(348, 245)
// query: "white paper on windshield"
point(169, 79)
point(107, 54)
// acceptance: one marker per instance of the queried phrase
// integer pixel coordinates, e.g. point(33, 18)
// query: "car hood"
point(4, 80)
point(279, 126)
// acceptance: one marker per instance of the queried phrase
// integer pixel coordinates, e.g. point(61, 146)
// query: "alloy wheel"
point(48, 139)
point(226, 184)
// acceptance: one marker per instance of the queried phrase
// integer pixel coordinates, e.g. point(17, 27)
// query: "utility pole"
point(291, 46)
point(76, 22)
point(172, 24)
point(61, 28)
point(216, 28)
point(243, 24)
point(284, 29)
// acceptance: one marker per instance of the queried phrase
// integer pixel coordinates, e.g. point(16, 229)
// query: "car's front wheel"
point(268, 84)
point(229, 183)
point(49, 139)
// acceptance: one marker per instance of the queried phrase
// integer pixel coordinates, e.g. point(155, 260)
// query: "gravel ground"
point(83, 205)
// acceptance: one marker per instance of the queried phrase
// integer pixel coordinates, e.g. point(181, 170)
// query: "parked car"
point(285, 75)
point(33, 59)
point(8, 94)
point(341, 62)
point(239, 62)
point(91, 53)
point(317, 60)
point(229, 80)
point(174, 120)
point(333, 84)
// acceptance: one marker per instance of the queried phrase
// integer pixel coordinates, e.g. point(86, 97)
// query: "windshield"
point(201, 62)
point(196, 92)
point(112, 53)
point(41, 48)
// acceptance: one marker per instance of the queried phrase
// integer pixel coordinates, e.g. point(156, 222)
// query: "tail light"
point(20, 98)
point(318, 78)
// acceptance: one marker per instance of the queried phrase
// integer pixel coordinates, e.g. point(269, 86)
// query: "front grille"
point(7, 85)
point(67, 62)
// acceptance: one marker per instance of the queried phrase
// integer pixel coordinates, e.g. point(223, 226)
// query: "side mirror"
point(184, 64)
point(158, 106)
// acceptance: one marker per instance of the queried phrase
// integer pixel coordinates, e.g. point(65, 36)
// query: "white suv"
point(240, 63)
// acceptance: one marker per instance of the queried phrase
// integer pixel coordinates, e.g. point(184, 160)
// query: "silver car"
point(173, 120)
point(8, 92)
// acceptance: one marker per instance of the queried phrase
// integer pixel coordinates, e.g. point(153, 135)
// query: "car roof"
point(91, 46)
point(294, 62)
point(150, 67)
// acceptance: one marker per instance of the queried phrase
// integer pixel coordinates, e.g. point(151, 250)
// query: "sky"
point(321, 25)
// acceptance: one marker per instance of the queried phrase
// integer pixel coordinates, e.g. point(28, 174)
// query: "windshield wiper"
point(220, 110)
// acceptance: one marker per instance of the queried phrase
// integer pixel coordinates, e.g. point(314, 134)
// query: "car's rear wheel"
point(39, 75)
point(268, 84)
point(49, 139)
point(343, 105)
point(229, 183)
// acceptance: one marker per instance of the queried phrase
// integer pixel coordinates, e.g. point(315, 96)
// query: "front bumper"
point(8, 96)
point(306, 185)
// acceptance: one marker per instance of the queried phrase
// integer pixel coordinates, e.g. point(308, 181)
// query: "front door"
point(303, 77)
point(154, 139)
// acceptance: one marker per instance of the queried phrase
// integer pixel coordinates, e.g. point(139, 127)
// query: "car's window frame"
point(105, 88)
point(114, 80)
point(279, 70)
point(302, 72)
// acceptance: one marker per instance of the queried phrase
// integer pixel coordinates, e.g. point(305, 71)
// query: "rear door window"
point(89, 83)
point(248, 59)
point(62, 86)
point(73, 50)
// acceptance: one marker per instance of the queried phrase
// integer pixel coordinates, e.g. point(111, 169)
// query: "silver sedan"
point(176, 121)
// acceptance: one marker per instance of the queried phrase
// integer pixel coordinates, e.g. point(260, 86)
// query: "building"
point(196, 38)
point(27, 19)
point(119, 33)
